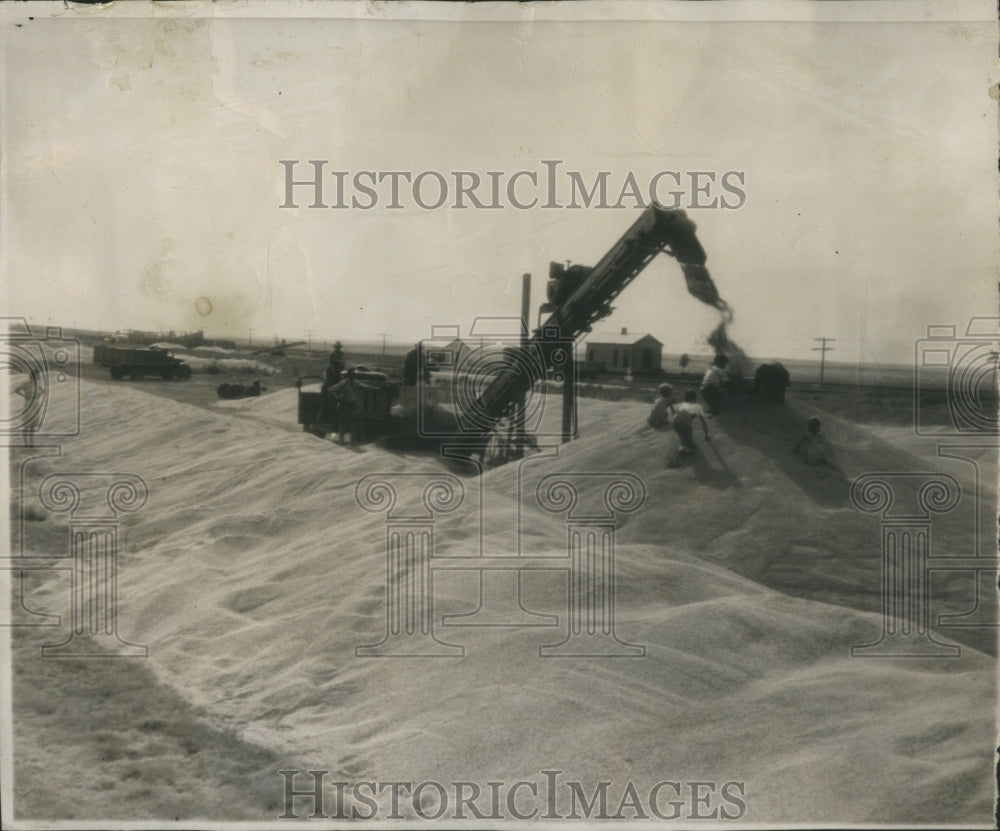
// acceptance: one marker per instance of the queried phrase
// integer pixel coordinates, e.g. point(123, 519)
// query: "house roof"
point(616, 339)
point(444, 343)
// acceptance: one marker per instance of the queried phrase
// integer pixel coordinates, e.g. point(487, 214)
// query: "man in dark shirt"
point(331, 377)
point(345, 394)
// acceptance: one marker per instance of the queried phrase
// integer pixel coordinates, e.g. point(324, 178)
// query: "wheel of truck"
point(184, 372)
point(167, 375)
point(116, 373)
point(136, 374)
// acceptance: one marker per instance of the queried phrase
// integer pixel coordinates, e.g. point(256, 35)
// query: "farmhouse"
point(624, 353)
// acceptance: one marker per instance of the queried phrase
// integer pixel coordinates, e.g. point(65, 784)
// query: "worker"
point(345, 394)
point(715, 385)
point(412, 364)
point(331, 377)
point(335, 366)
point(812, 448)
point(687, 411)
point(663, 409)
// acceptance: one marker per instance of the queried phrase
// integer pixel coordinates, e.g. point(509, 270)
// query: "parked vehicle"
point(135, 363)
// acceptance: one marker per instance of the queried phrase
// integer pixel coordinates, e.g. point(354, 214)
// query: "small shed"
point(624, 353)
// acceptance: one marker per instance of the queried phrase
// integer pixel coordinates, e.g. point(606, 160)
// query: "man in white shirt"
point(663, 409)
point(687, 412)
point(715, 384)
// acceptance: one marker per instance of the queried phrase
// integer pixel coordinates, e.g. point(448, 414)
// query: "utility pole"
point(822, 354)
point(309, 341)
point(383, 335)
point(522, 399)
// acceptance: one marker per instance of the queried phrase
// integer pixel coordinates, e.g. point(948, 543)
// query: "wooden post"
point(569, 397)
point(522, 399)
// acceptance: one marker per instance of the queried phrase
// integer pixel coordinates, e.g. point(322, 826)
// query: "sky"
point(143, 184)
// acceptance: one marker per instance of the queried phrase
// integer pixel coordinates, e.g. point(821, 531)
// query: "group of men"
point(340, 390)
point(715, 390)
point(681, 417)
point(770, 382)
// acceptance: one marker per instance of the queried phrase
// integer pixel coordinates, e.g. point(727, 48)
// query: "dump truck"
point(135, 363)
